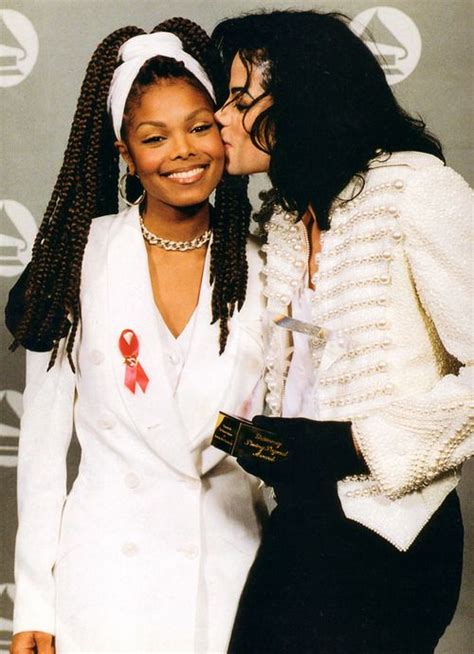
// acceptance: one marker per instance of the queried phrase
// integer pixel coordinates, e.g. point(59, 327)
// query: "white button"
point(131, 480)
point(106, 422)
point(97, 357)
point(193, 484)
point(174, 358)
point(129, 549)
point(190, 551)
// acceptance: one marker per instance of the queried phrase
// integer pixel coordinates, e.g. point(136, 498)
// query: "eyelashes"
point(202, 128)
point(198, 129)
point(154, 139)
point(241, 107)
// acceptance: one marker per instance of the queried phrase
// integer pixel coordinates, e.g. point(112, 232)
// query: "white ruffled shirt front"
point(299, 389)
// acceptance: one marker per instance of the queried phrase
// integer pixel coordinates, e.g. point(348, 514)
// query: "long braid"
point(85, 188)
point(230, 220)
point(229, 268)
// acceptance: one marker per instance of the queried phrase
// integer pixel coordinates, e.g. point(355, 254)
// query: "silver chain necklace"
point(179, 246)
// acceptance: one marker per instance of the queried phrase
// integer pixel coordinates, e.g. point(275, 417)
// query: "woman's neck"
point(177, 223)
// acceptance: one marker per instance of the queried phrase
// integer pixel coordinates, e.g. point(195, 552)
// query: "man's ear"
point(125, 154)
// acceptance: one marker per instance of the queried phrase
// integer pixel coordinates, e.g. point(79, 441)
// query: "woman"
point(369, 255)
point(135, 343)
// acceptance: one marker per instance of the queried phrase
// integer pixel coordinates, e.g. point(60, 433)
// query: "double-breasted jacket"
point(150, 549)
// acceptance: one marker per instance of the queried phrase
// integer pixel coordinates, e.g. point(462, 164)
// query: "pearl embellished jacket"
point(393, 348)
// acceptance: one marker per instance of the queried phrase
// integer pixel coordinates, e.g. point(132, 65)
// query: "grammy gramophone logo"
point(11, 408)
point(393, 38)
point(18, 47)
point(17, 234)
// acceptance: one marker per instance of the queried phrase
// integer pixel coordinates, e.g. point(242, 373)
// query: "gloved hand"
point(320, 453)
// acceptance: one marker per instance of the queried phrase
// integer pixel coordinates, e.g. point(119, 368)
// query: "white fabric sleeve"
point(46, 431)
point(410, 442)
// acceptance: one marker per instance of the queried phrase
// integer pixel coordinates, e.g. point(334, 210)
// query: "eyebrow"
point(241, 90)
point(158, 123)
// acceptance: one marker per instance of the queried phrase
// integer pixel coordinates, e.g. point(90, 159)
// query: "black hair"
point(46, 304)
point(332, 108)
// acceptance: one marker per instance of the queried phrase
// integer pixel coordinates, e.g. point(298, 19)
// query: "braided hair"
point(49, 305)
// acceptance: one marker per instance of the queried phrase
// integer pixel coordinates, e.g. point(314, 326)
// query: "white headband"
point(134, 53)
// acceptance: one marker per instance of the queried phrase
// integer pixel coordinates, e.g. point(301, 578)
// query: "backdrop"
point(44, 48)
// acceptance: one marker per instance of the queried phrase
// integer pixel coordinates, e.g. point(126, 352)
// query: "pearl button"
point(106, 422)
point(131, 480)
point(97, 357)
point(129, 549)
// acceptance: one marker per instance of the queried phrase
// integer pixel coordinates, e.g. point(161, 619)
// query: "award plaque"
point(240, 438)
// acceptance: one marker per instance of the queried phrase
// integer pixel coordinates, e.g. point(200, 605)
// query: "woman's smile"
point(187, 175)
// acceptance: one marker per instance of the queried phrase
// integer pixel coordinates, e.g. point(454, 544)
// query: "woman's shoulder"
point(103, 228)
point(103, 231)
point(102, 224)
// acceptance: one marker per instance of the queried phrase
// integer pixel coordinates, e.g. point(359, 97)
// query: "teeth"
point(186, 173)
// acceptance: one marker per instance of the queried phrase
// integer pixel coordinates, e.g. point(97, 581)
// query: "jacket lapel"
point(205, 368)
point(131, 306)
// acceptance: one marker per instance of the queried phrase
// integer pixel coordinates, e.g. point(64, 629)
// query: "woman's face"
point(242, 156)
point(173, 145)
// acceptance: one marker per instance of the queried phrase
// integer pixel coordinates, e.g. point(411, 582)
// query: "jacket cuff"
point(34, 606)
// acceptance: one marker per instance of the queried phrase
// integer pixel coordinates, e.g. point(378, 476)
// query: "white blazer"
point(393, 296)
point(150, 550)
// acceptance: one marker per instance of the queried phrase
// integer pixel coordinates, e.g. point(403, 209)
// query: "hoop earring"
point(123, 194)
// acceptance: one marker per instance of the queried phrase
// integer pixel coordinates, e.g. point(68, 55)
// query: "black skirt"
point(323, 584)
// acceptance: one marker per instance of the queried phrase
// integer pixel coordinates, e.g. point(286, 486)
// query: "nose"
point(183, 146)
point(222, 116)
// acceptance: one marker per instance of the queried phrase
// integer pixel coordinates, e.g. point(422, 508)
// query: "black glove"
point(320, 454)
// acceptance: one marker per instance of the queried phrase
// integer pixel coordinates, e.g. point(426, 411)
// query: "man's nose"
point(221, 116)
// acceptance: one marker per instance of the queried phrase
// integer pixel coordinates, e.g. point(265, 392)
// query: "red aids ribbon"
point(134, 373)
